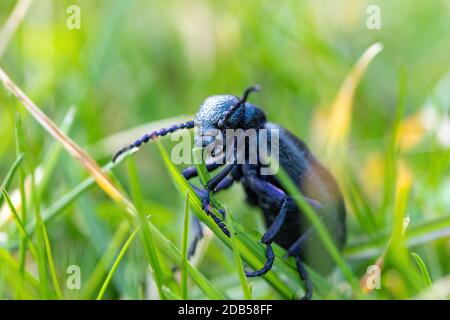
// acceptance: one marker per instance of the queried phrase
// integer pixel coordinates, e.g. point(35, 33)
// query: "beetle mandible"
point(287, 226)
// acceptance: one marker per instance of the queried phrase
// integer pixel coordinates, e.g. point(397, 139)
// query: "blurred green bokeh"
point(135, 62)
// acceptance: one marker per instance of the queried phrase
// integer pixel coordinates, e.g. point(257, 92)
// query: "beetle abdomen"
point(316, 183)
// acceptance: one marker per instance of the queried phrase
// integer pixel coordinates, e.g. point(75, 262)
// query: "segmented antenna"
point(241, 102)
point(152, 136)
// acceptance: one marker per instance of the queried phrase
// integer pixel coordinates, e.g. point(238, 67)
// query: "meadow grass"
point(126, 226)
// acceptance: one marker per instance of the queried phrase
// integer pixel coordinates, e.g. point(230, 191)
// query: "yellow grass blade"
point(403, 186)
point(74, 150)
point(337, 120)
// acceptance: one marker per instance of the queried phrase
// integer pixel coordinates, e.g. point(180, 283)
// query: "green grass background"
point(137, 62)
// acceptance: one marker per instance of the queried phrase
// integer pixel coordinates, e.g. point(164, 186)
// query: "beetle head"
point(222, 112)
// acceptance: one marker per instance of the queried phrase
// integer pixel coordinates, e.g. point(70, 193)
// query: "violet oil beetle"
point(286, 224)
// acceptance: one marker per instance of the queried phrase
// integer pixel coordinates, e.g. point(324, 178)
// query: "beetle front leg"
point(207, 207)
point(197, 234)
point(222, 184)
point(219, 182)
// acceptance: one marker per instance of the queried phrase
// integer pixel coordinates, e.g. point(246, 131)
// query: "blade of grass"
point(392, 153)
point(147, 238)
point(168, 247)
point(102, 266)
point(19, 223)
point(44, 248)
point(176, 256)
point(32, 284)
point(98, 229)
point(360, 204)
point(237, 258)
point(423, 269)
point(397, 253)
point(116, 263)
point(184, 250)
point(339, 118)
point(10, 175)
point(74, 150)
point(24, 205)
point(64, 202)
point(170, 294)
point(51, 264)
point(41, 257)
point(47, 166)
point(53, 154)
point(200, 166)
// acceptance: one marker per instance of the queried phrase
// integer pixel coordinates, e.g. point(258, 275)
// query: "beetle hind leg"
point(268, 238)
point(304, 275)
point(295, 251)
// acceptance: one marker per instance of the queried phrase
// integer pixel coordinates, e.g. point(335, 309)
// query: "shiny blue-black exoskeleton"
point(287, 226)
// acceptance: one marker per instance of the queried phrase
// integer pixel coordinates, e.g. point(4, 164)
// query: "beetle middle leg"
point(196, 226)
point(277, 201)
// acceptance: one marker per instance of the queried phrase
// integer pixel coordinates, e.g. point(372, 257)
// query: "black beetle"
point(286, 224)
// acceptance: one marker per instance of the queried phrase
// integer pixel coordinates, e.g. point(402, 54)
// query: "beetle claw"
point(267, 266)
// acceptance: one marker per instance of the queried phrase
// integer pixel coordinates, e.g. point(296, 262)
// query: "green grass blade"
point(19, 223)
point(184, 251)
point(64, 202)
point(58, 208)
point(43, 277)
point(51, 264)
point(423, 269)
point(176, 256)
point(23, 200)
point(237, 258)
point(148, 241)
point(31, 284)
point(10, 175)
point(48, 168)
point(116, 264)
point(391, 155)
point(170, 294)
point(53, 154)
point(102, 266)
point(203, 173)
